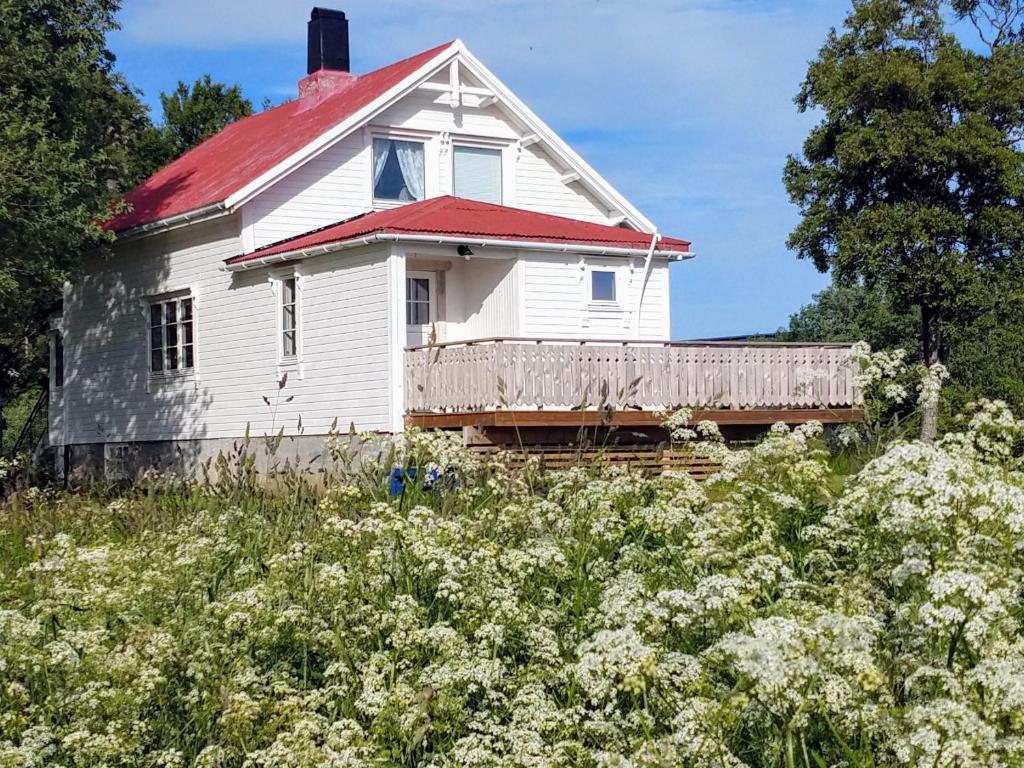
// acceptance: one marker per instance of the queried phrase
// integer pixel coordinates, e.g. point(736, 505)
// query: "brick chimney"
point(327, 53)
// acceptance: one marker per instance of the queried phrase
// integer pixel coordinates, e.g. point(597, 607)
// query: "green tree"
point(912, 180)
point(68, 131)
point(986, 355)
point(854, 312)
point(192, 115)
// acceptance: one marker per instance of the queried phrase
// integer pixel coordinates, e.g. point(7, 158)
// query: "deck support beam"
point(628, 418)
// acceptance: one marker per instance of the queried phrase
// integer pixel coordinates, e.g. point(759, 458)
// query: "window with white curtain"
point(477, 173)
point(171, 335)
point(398, 170)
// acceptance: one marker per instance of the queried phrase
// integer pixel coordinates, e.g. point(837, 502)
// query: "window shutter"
point(478, 174)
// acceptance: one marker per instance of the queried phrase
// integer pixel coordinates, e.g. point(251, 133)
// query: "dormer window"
point(398, 172)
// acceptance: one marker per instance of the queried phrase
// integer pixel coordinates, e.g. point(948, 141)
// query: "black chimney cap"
point(327, 41)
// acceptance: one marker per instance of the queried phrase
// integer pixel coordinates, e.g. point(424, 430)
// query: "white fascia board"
point(356, 120)
point(479, 242)
point(174, 222)
point(562, 151)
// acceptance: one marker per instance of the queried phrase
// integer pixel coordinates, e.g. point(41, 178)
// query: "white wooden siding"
point(482, 299)
point(539, 187)
point(333, 186)
point(557, 299)
point(110, 396)
point(419, 112)
point(336, 184)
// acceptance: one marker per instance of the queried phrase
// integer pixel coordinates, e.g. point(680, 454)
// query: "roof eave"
point(205, 213)
point(233, 265)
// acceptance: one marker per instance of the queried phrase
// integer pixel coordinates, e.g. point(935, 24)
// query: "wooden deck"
point(491, 383)
point(590, 418)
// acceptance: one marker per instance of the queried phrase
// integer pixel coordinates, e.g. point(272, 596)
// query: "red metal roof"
point(454, 217)
point(244, 150)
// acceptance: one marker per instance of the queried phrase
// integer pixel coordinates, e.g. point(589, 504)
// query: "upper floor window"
point(398, 172)
point(289, 317)
point(171, 335)
point(602, 285)
point(477, 173)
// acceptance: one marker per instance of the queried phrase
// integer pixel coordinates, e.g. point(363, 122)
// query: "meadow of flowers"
point(778, 615)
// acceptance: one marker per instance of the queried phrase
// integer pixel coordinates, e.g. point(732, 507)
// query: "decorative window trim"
point(180, 371)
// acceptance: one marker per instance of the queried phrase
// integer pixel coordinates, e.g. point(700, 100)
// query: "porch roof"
point(455, 220)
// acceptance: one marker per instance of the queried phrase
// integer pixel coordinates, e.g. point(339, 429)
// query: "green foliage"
point(985, 355)
point(68, 125)
point(74, 137)
point(913, 178)
point(765, 618)
point(194, 114)
point(854, 312)
point(15, 414)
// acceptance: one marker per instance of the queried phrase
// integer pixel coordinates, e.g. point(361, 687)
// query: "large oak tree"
point(912, 180)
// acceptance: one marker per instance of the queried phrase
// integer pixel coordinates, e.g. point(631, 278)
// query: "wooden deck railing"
point(490, 374)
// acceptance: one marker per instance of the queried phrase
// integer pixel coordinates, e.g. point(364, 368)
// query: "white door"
point(420, 307)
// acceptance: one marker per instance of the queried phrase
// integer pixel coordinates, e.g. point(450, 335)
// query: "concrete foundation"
point(128, 460)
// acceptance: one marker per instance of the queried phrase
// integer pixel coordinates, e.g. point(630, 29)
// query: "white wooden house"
point(329, 237)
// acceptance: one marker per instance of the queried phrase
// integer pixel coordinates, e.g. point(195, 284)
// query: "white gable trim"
point(539, 132)
point(562, 151)
point(327, 139)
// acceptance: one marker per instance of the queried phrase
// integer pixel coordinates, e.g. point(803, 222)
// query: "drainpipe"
point(648, 262)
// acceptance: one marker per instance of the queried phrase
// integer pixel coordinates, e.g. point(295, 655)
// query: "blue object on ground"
point(431, 482)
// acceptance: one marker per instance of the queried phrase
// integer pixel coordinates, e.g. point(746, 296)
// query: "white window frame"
point(181, 371)
point(428, 141)
point(499, 147)
point(278, 278)
point(431, 278)
point(616, 287)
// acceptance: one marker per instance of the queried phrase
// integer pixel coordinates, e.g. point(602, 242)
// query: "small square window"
point(602, 285)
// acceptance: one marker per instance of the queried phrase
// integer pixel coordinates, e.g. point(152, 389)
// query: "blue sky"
point(684, 105)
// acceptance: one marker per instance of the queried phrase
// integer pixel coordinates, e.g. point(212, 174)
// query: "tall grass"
point(770, 617)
